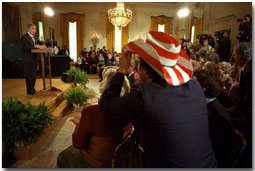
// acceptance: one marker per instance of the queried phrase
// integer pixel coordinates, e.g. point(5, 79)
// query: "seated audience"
point(100, 65)
point(109, 60)
point(93, 63)
point(96, 134)
point(116, 60)
point(214, 68)
point(213, 56)
point(243, 58)
point(226, 79)
point(86, 63)
point(233, 94)
point(195, 65)
point(206, 48)
point(220, 126)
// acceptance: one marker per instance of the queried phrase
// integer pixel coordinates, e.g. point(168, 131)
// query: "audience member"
point(224, 48)
point(213, 56)
point(220, 126)
point(109, 60)
point(170, 111)
point(100, 65)
point(93, 63)
point(205, 48)
point(96, 134)
point(116, 61)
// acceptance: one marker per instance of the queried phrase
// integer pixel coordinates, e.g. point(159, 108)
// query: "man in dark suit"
point(28, 42)
point(220, 127)
point(224, 48)
point(242, 56)
point(167, 105)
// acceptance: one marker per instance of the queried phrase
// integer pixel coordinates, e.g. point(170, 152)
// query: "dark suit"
point(224, 49)
point(221, 133)
point(30, 62)
point(245, 99)
point(172, 119)
point(245, 88)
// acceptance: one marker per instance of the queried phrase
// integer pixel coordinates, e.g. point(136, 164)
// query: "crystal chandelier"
point(118, 16)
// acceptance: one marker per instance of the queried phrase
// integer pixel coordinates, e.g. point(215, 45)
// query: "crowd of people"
point(230, 78)
point(191, 109)
point(93, 62)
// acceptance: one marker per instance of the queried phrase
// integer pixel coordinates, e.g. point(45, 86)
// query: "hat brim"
point(181, 71)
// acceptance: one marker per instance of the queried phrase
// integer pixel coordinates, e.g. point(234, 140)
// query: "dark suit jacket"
point(245, 88)
point(221, 133)
point(224, 49)
point(173, 121)
point(30, 59)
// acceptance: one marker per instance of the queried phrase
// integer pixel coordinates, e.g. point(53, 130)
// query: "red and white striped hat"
point(164, 54)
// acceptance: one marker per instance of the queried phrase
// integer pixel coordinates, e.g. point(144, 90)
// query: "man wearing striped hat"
point(168, 105)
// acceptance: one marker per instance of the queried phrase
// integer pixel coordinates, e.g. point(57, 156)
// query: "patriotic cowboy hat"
point(164, 54)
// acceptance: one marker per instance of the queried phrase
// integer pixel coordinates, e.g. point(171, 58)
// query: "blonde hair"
point(107, 74)
point(195, 65)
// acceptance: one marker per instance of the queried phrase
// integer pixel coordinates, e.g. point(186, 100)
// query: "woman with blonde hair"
point(96, 134)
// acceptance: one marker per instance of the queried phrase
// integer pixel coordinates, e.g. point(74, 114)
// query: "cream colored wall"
point(95, 18)
point(26, 14)
point(140, 24)
point(219, 16)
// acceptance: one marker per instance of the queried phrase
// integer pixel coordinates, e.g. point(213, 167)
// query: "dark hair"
point(30, 25)
point(209, 81)
point(248, 15)
point(150, 71)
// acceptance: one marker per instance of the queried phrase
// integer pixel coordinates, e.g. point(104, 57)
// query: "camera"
point(202, 37)
point(239, 20)
point(219, 34)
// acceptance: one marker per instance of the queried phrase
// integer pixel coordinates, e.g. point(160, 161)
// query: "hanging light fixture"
point(118, 16)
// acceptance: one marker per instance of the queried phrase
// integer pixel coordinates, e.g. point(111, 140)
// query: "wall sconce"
point(94, 39)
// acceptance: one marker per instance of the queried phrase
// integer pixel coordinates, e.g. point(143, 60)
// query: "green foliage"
point(76, 96)
point(79, 76)
point(72, 72)
point(23, 123)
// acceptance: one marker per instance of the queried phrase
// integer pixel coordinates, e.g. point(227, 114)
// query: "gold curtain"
point(167, 21)
point(38, 16)
point(124, 36)
point(110, 34)
point(79, 19)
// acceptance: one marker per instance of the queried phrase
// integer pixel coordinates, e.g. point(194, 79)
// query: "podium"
point(49, 90)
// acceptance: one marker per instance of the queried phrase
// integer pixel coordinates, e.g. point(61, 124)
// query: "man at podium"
point(28, 42)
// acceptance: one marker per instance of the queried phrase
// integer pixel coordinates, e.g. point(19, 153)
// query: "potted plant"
point(23, 124)
point(72, 72)
point(76, 97)
point(80, 77)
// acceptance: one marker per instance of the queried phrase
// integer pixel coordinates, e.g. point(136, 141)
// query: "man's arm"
point(127, 108)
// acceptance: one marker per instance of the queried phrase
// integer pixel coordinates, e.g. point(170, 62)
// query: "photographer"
point(224, 47)
point(245, 29)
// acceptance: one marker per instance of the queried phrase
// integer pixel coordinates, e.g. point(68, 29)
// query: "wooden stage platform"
point(17, 87)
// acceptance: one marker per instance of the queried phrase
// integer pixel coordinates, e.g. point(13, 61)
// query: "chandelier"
point(118, 16)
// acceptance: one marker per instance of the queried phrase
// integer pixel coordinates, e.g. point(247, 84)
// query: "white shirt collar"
point(30, 35)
